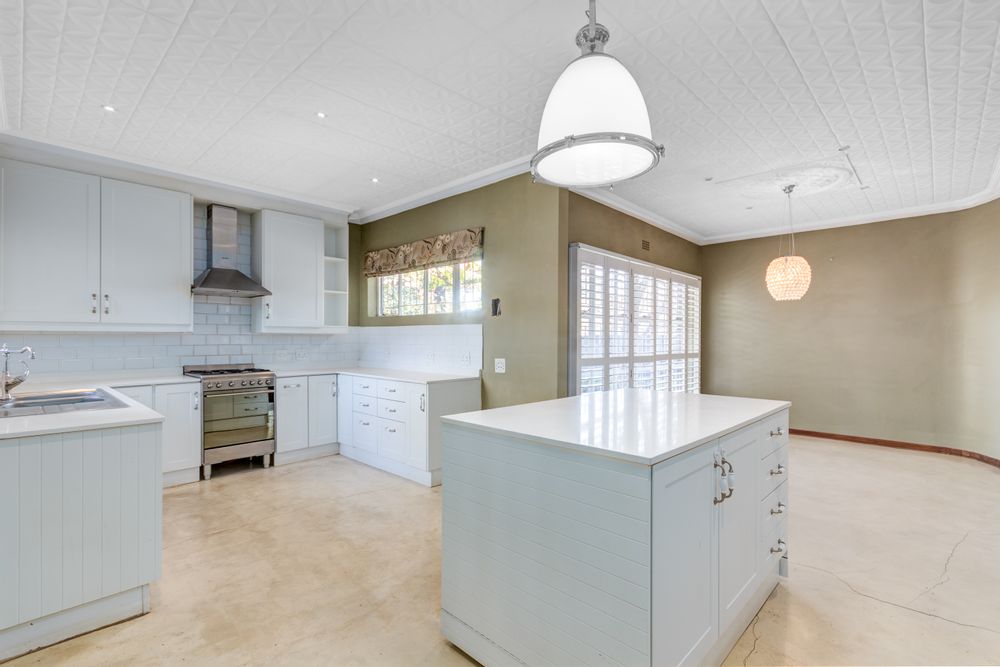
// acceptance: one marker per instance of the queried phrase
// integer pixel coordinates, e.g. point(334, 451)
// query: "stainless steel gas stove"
point(238, 413)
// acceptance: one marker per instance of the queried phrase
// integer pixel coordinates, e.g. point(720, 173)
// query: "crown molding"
point(611, 200)
point(450, 189)
point(18, 146)
point(990, 193)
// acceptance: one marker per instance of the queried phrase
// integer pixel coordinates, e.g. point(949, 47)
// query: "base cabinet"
point(291, 407)
point(322, 410)
point(395, 426)
point(180, 405)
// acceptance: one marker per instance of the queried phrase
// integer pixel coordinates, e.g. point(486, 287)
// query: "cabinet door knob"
point(196, 401)
point(779, 547)
point(107, 304)
point(780, 509)
point(93, 303)
point(422, 403)
point(267, 310)
point(777, 431)
point(780, 470)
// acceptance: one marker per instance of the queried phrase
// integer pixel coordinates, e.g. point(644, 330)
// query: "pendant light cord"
point(791, 230)
point(592, 15)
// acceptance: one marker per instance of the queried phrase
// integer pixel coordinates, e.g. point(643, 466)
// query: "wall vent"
point(645, 244)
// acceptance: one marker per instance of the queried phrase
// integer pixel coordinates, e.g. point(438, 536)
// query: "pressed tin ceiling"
point(431, 97)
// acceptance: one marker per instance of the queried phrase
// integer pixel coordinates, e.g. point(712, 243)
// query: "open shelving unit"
point(335, 275)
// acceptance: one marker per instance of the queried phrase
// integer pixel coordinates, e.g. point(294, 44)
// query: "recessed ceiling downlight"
point(595, 126)
point(108, 107)
point(320, 114)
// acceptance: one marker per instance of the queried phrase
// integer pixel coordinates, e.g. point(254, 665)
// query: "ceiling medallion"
point(595, 127)
point(788, 276)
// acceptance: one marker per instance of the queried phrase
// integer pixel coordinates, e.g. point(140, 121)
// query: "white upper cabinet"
point(50, 245)
point(78, 252)
point(145, 255)
point(303, 262)
point(288, 260)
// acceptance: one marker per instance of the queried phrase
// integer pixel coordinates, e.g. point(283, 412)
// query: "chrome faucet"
point(8, 381)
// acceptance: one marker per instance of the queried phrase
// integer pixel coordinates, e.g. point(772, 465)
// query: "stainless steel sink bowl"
point(56, 402)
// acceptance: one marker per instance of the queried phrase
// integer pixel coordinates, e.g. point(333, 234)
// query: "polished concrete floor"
point(330, 562)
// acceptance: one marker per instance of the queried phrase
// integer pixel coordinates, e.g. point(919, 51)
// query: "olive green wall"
point(522, 266)
point(897, 338)
point(602, 227)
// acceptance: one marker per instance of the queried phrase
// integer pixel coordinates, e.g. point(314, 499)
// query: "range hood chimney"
point(221, 277)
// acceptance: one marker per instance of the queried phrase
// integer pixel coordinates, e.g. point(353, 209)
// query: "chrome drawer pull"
point(366, 423)
point(779, 547)
point(390, 430)
point(777, 432)
point(390, 391)
point(392, 410)
point(780, 470)
point(780, 509)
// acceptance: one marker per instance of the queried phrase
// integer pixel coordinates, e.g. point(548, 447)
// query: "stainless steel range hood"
point(221, 277)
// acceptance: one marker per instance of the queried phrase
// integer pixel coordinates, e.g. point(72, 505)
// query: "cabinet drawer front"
point(775, 433)
point(365, 386)
point(242, 399)
point(773, 471)
point(773, 547)
point(394, 391)
point(774, 509)
point(366, 404)
point(365, 432)
point(391, 409)
point(392, 442)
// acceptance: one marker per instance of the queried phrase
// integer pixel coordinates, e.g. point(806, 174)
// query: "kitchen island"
point(628, 527)
point(80, 518)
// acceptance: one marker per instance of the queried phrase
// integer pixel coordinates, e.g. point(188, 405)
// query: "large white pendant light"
point(788, 276)
point(595, 126)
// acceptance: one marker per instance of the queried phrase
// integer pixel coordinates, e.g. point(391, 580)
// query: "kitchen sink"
point(57, 402)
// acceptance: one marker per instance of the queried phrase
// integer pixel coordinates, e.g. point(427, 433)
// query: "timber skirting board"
point(900, 444)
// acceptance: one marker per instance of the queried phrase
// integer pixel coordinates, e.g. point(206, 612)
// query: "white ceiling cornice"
point(450, 189)
point(611, 200)
point(17, 146)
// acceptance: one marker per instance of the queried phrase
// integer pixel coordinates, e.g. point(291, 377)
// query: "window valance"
point(465, 245)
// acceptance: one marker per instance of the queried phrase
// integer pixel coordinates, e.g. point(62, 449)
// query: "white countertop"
point(132, 414)
point(48, 381)
point(423, 377)
point(638, 425)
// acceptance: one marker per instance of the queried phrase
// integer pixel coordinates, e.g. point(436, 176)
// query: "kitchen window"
point(453, 288)
point(632, 324)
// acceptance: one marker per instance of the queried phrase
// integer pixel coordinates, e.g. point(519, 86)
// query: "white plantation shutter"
point(632, 324)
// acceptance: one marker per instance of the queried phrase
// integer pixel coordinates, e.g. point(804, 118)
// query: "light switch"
point(500, 365)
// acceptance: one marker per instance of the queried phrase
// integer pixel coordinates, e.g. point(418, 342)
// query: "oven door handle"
point(214, 394)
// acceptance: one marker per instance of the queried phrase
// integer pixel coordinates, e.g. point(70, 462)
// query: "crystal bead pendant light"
point(788, 276)
point(595, 126)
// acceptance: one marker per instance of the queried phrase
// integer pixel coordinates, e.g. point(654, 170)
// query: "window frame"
point(610, 261)
point(456, 291)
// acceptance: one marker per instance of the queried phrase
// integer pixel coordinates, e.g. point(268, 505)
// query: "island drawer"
point(775, 433)
point(366, 404)
point(774, 509)
point(773, 471)
point(774, 547)
point(365, 432)
point(394, 391)
point(364, 386)
point(391, 409)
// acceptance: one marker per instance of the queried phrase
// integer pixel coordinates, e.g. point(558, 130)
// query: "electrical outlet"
point(500, 365)
point(301, 355)
point(466, 359)
point(282, 355)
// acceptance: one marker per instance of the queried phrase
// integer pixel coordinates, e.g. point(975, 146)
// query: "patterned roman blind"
point(465, 245)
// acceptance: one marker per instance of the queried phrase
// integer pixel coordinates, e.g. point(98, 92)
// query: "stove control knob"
point(243, 383)
point(232, 383)
point(267, 382)
point(260, 382)
point(218, 385)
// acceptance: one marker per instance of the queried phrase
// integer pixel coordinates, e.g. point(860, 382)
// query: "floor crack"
point(896, 604)
point(756, 638)
point(945, 577)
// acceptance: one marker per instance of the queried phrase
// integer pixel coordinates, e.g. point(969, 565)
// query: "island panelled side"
point(554, 555)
